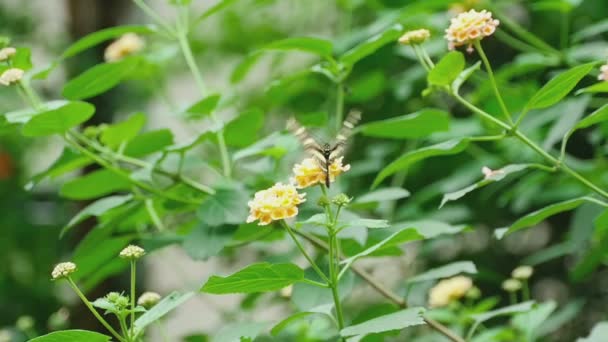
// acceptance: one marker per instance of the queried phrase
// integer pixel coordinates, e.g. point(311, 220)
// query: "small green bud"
point(112, 297)
point(323, 201)
point(473, 293)
point(341, 200)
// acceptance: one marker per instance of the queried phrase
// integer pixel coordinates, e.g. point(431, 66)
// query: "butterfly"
point(325, 154)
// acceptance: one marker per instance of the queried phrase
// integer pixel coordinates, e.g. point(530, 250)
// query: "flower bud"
point(341, 200)
point(132, 252)
point(415, 37)
point(511, 285)
point(63, 270)
point(148, 299)
point(323, 201)
point(522, 272)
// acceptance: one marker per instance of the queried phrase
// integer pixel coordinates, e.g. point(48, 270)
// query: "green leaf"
point(25, 115)
point(464, 76)
point(445, 271)
point(101, 36)
point(261, 277)
point(411, 126)
point(507, 310)
point(93, 185)
point(431, 228)
point(227, 206)
point(530, 322)
point(397, 238)
point(124, 131)
point(445, 148)
point(99, 79)
point(498, 175)
point(368, 47)
point(72, 336)
point(242, 131)
point(598, 333)
point(22, 59)
point(220, 5)
point(96, 208)
point(162, 308)
point(279, 327)
point(447, 70)
point(204, 242)
point(599, 115)
point(96, 251)
point(243, 68)
point(149, 142)
point(540, 215)
point(382, 195)
point(592, 30)
point(394, 321)
point(558, 87)
point(68, 161)
point(203, 107)
point(600, 87)
point(240, 332)
point(60, 120)
point(317, 46)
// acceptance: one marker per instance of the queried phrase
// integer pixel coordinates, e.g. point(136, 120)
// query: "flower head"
point(132, 252)
point(6, 53)
point(511, 285)
point(603, 76)
point(309, 172)
point(148, 299)
point(468, 27)
point(415, 37)
point(126, 45)
point(276, 203)
point(449, 290)
point(11, 76)
point(121, 301)
point(63, 270)
point(522, 272)
point(5, 335)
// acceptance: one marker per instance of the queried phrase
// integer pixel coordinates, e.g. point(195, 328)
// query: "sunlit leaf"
point(162, 308)
point(149, 142)
point(416, 125)
point(382, 195)
point(93, 185)
point(445, 271)
point(397, 238)
point(72, 336)
point(58, 121)
point(368, 47)
point(242, 131)
point(558, 87)
point(203, 107)
point(96, 208)
point(464, 76)
point(99, 79)
point(124, 131)
point(394, 321)
point(447, 70)
point(261, 277)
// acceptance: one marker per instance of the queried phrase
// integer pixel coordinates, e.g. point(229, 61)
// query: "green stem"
point(564, 30)
point(421, 59)
point(152, 14)
point(187, 52)
point(93, 311)
point(123, 327)
point(512, 297)
point(30, 95)
point(426, 56)
point(154, 215)
point(133, 280)
point(304, 253)
point(333, 274)
point(488, 67)
point(514, 42)
point(339, 105)
point(525, 290)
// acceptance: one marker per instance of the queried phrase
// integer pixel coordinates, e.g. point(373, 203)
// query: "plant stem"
point(488, 67)
point(525, 290)
point(152, 14)
point(421, 59)
point(333, 274)
point(380, 288)
point(339, 105)
point(425, 56)
point(93, 311)
point(154, 215)
point(187, 52)
point(304, 253)
point(133, 280)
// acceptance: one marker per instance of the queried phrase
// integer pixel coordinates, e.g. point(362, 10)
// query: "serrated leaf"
point(99, 79)
point(498, 175)
point(96, 208)
point(58, 121)
point(541, 214)
point(445, 271)
point(445, 148)
point(382, 195)
point(166, 305)
point(261, 277)
point(93, 185)
point(227, 206)
point(121, 132)
point(368, 47)
point(411, 126)
point(72, 336)
point(558, 87)
point(464, 76)
point(447, 70)
point(394, 321)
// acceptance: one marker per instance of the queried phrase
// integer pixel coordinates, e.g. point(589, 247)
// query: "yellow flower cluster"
point(468, 27)
point(603, 76)
point(415, 37)
point(309, 173)
point(449, 290)
point(276, 203)
point(126, 45)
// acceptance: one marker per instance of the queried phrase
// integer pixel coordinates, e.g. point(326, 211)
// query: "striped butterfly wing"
point(353, 117)
point(308, 142)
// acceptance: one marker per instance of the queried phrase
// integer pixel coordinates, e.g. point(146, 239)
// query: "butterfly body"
point(325, 154)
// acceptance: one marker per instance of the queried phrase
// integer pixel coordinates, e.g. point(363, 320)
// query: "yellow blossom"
point(63, 270)
point(6, 53)
point(449, 290)
point(276, 203)
point(415, 37)
point(11, 76)
point(603, 76)
point(468, 27)
point(309, 173)
point(126, 45)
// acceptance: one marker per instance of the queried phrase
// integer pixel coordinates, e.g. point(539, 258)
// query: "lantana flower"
point(275, 203)
point(415, 37)
point(449, 290)
point(11, 76)
point(6, 53)
point(309, 173)
point(603, 76)
point(468, 27)
point(63, 270)
point(126, 45)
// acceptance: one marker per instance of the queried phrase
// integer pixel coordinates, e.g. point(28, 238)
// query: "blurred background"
point(385, 84)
